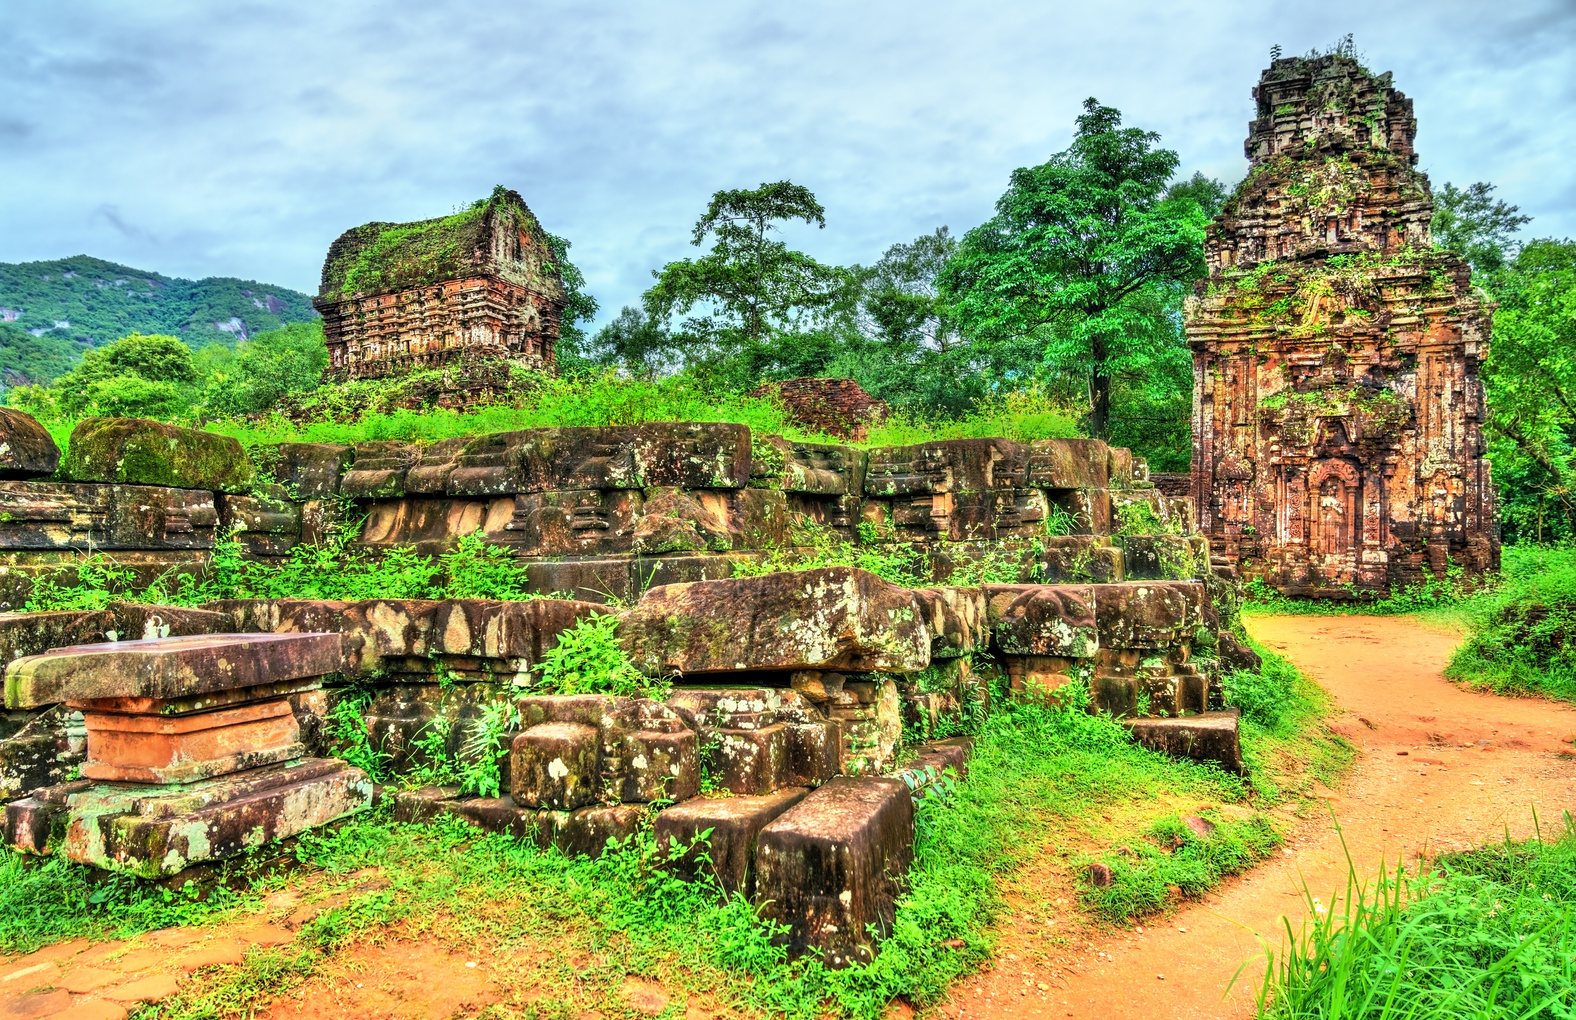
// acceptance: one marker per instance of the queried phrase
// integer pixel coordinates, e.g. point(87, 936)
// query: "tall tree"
point(1073, 247)
point(758, 291)
point(1477, 226)
point(1530, 379)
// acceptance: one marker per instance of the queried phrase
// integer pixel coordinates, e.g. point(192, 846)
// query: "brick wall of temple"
point(1338, 410)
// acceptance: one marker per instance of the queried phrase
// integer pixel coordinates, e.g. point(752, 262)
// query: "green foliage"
point(28, 360)
point(1476, 226)
point(1432, 593)
point(268, 368)
point(758, 291)
point(589, 660)
point(100, 300)
point(352, 738)
point(476, 569)
point(1171, 854)
point(1085, 255)
point(486, 746)
point(815, 546)
point(579, 306)
point(1485, 933)
point(1530, 382)
point(94, 582)
point(1524, 627)
point(51, 900)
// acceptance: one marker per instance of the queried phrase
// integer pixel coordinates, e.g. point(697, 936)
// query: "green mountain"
point(50, 312)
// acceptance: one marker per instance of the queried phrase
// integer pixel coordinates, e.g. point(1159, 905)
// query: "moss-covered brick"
point(142, 452)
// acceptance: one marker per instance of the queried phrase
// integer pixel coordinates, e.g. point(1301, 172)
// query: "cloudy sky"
point(238, 139)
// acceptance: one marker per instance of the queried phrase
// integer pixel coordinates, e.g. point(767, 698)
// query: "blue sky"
point(238, 139)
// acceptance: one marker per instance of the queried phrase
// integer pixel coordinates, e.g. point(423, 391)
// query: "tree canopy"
point(1078, 256)
point(754, 290)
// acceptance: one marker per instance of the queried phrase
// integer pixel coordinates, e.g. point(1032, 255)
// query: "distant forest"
point(50, 312)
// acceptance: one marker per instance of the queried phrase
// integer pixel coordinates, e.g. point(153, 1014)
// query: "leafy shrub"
point(485, 747)
point(352, 739)
point(1524, 628)
point(475, 569)
point(589, 660)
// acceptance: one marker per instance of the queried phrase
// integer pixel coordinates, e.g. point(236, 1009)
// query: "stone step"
point(1206, 737)
point(734, 824)
point(831, 867)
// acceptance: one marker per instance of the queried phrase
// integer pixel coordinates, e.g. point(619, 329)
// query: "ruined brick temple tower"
point(401, 297)
point(1337, 410)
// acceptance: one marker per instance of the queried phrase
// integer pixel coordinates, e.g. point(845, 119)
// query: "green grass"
point(1285, 747)
point(1523, 639)
point(1488, 933)
point(1038, 772)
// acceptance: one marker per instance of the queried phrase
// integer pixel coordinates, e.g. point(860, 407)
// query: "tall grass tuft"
point(1524, 628)
point(1484, 934)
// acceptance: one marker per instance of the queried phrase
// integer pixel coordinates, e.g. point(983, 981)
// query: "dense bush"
point(1524, 628)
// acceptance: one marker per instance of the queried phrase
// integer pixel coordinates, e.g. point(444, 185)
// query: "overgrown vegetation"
point(1524, 627)
point(1485, 933)
point(1042, 776)
point(589, 660)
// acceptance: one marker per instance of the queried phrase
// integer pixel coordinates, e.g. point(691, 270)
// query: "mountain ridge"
point(53, 310)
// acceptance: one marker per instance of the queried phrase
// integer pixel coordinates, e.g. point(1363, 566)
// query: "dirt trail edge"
point(1473, 766)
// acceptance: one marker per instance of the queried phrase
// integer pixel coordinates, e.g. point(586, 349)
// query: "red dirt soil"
point(1441, 769)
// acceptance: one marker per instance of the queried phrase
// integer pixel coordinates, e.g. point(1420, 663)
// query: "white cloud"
point(240, 140)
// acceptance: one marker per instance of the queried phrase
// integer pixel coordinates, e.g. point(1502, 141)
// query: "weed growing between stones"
point(1483, 933)
point(332, 569)
point(589, 660)
point(352, 741)
point(1039, 780)
point(485, 747)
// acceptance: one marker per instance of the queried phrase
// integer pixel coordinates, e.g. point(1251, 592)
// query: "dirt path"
point(1441, 769)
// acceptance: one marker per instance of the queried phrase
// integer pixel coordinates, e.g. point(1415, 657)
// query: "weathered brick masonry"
point(1338, 444)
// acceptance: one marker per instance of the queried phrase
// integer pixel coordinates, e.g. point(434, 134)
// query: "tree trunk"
point(1099, 406)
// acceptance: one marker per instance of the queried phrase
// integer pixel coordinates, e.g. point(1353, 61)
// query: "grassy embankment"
point(1049, 787)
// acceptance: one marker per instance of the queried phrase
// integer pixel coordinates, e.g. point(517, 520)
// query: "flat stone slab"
point(1206, 737)
point(154, 831)
point(728, 855)
point(831, 867)
point(144, 452)
point(167, 668)
point(151, 748)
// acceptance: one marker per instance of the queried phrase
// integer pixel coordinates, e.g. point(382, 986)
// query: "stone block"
point(157, 831)
point(378, 469)
point(821, 469)
point(1042, 619)
point(675, 521)
point(952, 465)
point(39, 748)
point(82, 516)
point(580, 522)
point(955, 617)
point(415, 635)
point(1074, 558)
point(155, 747)
point(586, 832)
point(727, 854)
point(136, 621)
point(308, 470)
point(1158, 558)
point(831, 867)
point(658, 764)
point(37, 824)
point(1068, 464)
point(1208, 737)
point(754, 740)
point(430, 473)
point(556, 766)
point(31, 633)
point(266, 523)
point(687, 455)
point(1148, 614)
point(422, 805)
point(136, 451)
point(831, 618)
point(167, 667)
point(27, 450)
